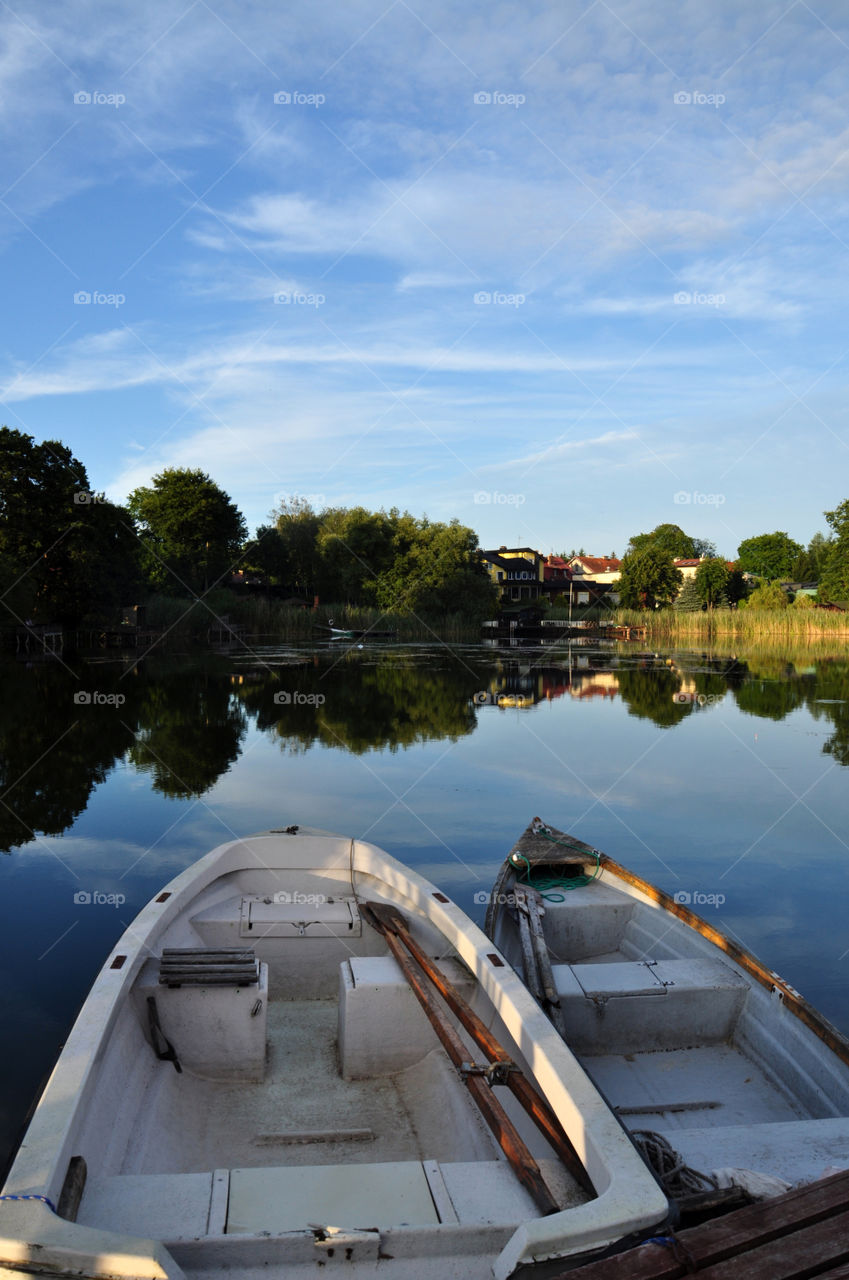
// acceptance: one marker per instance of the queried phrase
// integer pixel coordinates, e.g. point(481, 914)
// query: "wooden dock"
point(791, 1237)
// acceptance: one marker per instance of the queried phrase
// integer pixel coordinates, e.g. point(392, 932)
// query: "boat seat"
point(208, 966)
point(215, 1016)
point(631, 1006)
point(277, 1199)
point(382, 1026)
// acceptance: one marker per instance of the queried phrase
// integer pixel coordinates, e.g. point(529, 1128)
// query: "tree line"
point(69, 555)
point(649, 578)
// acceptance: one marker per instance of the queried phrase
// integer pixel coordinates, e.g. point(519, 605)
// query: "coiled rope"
point(677, 1178)
point(554, 888)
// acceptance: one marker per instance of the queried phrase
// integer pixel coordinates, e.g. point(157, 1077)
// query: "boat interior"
point(312, 1095)
point(681, 1040)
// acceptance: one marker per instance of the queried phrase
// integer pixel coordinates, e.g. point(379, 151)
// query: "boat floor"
point(711, 1085)
point(188, 1124)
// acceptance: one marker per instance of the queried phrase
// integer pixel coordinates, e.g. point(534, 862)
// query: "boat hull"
point(269, 1125)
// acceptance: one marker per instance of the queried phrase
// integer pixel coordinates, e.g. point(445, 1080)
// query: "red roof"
point(599, 564)
point(687, 564)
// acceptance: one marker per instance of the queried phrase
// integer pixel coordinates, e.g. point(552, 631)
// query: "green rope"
point(554, 888)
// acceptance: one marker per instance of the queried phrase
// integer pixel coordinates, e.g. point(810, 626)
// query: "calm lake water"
point(722, 778)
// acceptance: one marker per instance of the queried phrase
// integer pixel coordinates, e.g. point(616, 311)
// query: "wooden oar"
point(392, 925)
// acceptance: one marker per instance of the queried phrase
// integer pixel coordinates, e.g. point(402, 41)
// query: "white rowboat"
point(252, 1088)
point(688, 1036)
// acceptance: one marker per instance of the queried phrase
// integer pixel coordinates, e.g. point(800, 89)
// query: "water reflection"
point(183, 723)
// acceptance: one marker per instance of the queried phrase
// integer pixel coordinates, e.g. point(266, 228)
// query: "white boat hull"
point(684, 1032)
point(315, 1117)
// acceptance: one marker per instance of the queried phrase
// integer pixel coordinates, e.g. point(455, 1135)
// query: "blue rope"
point(49, 1203)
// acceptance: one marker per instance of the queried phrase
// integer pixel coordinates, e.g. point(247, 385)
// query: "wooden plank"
point(797, 1256)
point(715, 1241)
point(551, 1003)
point(512, 1144)
point(515, 1080)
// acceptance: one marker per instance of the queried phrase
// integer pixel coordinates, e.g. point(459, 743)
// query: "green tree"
point(768, 595)
point(688, 599)
point(266, 554)
point(769, 555)
point(834, 583)
point(191, 531)
point(64, 551)
point(737, 587)
point(669, 538)
point(436, 570)
point(298, 525)
point(712, 582)
point(354, 546)
point(648, 578)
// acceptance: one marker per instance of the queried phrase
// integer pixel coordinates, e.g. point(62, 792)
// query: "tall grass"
point(750, 625)
point(268, 621)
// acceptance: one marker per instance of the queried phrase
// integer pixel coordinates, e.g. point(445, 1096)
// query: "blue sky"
point(563, 271)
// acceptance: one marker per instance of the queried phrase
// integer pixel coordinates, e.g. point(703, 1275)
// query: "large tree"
point(669, 538)
point(648, 578)
point(769, 555)
point(834, 582)
point(712, 582)
point(64, 551)
point(190, 529)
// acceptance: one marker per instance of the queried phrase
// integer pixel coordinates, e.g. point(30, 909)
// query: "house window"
point(583, 597)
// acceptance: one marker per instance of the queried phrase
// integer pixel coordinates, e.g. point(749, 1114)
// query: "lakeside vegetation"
point(667, 626)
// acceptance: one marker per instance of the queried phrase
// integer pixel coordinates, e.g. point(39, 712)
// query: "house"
point(556, 576)
point(516, 571)
point(689, 568)
point(601, 569)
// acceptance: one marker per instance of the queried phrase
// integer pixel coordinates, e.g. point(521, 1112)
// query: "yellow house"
point(516, 571)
